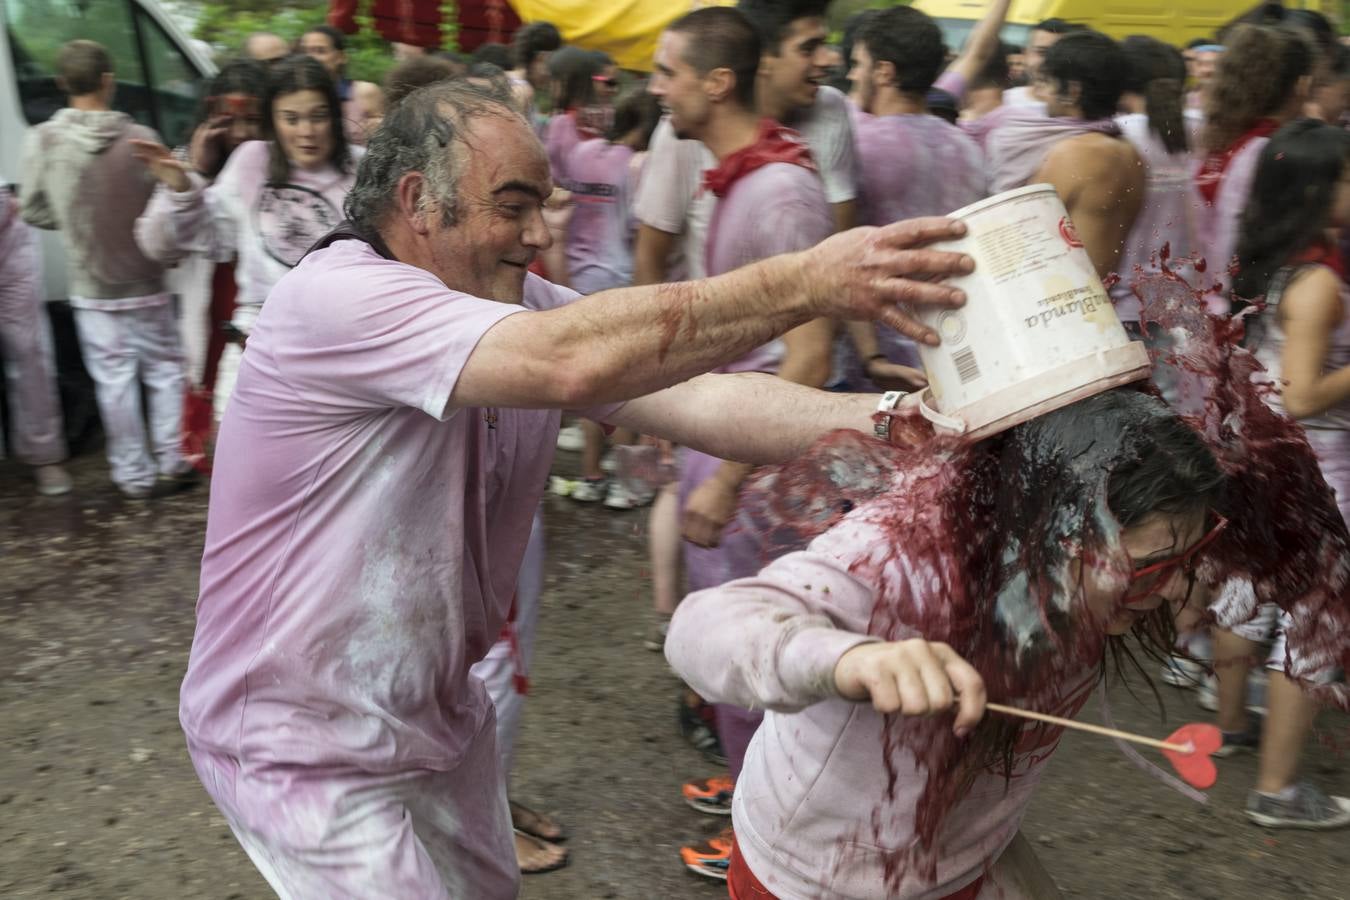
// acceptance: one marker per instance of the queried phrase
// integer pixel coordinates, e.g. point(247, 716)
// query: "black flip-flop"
point(562, 834)
point(540, 870)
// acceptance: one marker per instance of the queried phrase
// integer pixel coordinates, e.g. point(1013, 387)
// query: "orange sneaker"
point(712, 858)
point(711, 796)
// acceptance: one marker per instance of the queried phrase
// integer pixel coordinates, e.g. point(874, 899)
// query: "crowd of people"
point(365, 310)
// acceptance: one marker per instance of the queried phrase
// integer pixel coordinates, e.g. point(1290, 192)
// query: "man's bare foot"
point(535, 824)
point(535, 856)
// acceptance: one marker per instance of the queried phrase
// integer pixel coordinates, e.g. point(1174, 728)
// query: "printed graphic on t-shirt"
point(291, 218)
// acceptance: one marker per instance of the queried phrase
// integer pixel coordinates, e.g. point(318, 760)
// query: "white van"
point(160, 74)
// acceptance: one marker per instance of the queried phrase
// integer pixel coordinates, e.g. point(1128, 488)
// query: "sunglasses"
point(1147, 580)
point(605, 80)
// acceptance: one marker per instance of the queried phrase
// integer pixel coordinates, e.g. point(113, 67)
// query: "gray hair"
point(423, 133)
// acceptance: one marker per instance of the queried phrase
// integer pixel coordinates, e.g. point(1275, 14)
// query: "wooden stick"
point(1084, 726)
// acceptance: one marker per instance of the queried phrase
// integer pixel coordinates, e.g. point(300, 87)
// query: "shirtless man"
point(1078, 147)
point(1099, 175)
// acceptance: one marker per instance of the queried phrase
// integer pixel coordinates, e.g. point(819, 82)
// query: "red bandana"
point(586, 122)
point(1215, 166)
point(1323, 253)
point(773, 144)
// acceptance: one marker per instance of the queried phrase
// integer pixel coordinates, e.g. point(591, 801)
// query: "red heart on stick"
point(1195, 766)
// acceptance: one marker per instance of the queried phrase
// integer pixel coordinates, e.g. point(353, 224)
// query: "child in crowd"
point(80, 175)
point(272, 200)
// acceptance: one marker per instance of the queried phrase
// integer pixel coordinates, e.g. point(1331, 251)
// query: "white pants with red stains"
point(499, 668)
point(26, 345)
point(126, 344)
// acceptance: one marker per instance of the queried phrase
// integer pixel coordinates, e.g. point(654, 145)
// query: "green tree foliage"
point(224, 24)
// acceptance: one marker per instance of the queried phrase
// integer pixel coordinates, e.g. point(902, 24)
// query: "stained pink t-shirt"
point(1164, 218)
point(363, 539)
point(600, 232)
point(778, 208)
point(914, 165)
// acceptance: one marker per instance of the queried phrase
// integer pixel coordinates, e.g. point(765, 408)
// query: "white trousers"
point(124, 348)
point(190, 280)
point(26, 345)
point(228, 371)
point(499, 668)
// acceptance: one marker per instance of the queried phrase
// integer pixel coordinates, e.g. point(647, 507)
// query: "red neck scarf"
point(773, 144)
point(1323, 253)
point(1215, 166)
point(586, 122)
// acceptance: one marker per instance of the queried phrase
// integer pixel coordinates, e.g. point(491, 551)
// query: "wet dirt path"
point(98, 799)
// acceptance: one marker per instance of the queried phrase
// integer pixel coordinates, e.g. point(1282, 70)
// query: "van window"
point(156, 82)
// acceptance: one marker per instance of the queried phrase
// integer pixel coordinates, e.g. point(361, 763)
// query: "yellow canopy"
point(625, 29)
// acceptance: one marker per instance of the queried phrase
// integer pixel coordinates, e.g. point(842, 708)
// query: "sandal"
point(538, 844)
point(527, 821)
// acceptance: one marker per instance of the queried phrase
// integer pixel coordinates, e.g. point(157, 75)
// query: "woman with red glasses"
point(939, 577)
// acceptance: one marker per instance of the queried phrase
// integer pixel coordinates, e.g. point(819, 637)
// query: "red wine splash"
point(957, 517)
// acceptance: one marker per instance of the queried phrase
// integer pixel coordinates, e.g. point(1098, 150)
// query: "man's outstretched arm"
point(616, 345)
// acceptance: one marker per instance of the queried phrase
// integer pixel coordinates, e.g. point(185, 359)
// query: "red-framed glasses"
point(1146, 581)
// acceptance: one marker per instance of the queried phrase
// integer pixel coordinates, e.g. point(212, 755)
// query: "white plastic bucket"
point(1038, 331)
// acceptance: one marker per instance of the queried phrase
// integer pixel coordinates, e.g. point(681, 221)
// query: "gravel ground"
point(98, 799)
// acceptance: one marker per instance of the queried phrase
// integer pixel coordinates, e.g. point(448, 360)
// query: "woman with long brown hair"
point(272, 200)
point(1262, 82)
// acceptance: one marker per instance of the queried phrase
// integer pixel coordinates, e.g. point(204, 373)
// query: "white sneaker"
point(1207, 694)
point(1181, 672)
point(1305, 807)
point(588, 491)
point(52, 480)
point(619, 497)
point(571, 439)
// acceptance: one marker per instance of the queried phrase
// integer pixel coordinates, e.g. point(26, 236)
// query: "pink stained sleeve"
point(375, 336)
point(773, 640)
point(953, 83)
point(167, 230)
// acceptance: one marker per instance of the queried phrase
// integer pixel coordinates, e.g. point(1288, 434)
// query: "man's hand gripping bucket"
point(1038, 331)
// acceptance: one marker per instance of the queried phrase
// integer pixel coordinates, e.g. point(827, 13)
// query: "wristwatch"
point(881, 422)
